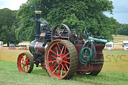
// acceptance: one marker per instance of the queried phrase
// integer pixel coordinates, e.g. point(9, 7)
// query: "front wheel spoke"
point(28, 67)
point(28, 63)
point(55, 69)
point(22, 59)
point(66, 62)
point(20, 64)
point(23, 68)
point(26, 60)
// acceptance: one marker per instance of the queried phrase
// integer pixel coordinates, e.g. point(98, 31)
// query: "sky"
point(11, 4)
point(120, 12)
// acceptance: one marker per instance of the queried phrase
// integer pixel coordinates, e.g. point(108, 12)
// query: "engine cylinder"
point(39, 49)
point(36, 48)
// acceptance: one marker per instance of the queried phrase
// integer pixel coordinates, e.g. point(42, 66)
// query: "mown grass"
point(116, 61)
point(9, 75)
point(115, 52)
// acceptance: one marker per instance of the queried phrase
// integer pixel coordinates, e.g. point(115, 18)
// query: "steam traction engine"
point(63, 52)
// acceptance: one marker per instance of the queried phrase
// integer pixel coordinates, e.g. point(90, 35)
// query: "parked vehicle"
point(1, 44)
point(109, 46)
point(12, 46)
point(125, 45)
point(22, 47)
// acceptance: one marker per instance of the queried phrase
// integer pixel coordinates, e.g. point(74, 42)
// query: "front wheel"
point(25, 62)
point(61, 59)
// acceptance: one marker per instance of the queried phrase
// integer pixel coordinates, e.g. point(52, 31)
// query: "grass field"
point(9, 75)
point(116, 61)
point(114, 72)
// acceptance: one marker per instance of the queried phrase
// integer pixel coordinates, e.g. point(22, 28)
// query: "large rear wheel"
point(25, 62)
point(61, 59)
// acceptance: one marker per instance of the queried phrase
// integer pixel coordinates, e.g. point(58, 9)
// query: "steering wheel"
point(61, 31)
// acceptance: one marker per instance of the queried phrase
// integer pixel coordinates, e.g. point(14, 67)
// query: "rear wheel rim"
point(58, 62)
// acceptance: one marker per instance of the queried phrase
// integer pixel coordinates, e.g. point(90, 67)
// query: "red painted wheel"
point(25, 62)
point(61, 59)
point(61, 31)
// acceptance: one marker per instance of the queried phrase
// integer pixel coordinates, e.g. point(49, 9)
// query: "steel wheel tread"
point(73, 59)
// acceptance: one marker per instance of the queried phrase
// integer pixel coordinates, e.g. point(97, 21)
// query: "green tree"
point(77, 14)
point(123, 29)
point(8, 24)
point(25, 30)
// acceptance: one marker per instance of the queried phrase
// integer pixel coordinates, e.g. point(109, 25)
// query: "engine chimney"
point(37, 27)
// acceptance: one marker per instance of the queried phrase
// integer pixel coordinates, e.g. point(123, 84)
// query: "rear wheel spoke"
point(67, 67)
point(62, 49)
point(54, 56)
point(61, 72)
point(65, 50)
point(55, 69)
point(51, 61)
point(66, 62)
point(55, 64)
point(53, 52)
point(57, 51)
point(58, 46)
point(59, 69)
point(64, 68)
point(68, 58)
point(65, 55)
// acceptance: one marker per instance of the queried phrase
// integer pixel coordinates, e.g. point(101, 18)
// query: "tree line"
point(123, 29)
point(19, 25)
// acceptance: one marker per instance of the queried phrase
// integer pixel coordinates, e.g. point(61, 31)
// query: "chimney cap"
point(38, 12)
